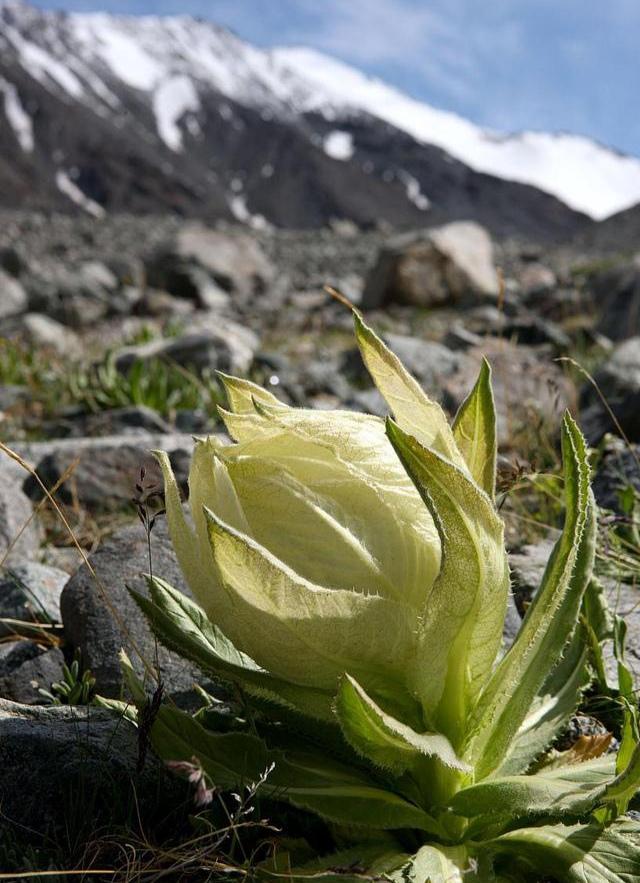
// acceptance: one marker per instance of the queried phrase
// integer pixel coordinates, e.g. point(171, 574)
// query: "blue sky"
point(570, 65)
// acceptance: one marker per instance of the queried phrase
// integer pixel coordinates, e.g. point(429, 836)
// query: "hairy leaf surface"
point(464, 613)
point(549, 623)
point(413, 410)
point(475, 432)
point(383, 739)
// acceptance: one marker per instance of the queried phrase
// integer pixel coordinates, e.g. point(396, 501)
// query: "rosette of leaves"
point(352, 581)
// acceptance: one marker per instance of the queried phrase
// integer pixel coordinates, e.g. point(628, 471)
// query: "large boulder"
point(615, 292)
point(101, 473)
point(234, 262)
point(434, 267)
point(618, 380)
point(100, 617)
point(69, 771)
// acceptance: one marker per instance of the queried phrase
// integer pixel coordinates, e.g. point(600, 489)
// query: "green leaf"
point(183, 627)
point(230, 760)
point(549, 623)
point(475, 431)
point(550, 711)
point(414, 411)
point(464, 612)
point(242, 394)
point(306, 779)
point(381, 738)
point(618, 794)
point(375, 861)
point(576, 854)
point(132, 681)
point(564, 791)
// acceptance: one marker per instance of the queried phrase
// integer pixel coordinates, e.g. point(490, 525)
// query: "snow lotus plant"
point(352, 581)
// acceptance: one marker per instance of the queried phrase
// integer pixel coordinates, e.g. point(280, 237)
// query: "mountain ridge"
point(141, 114)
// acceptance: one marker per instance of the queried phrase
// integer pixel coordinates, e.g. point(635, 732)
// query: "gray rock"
point(526, 382)
point(624, 600)
point(66, 558)
point(43, 331)
point(458, 337)
point(100, 617)
point(161, 304)
point(70, 770)
point(31, 592)
point(26, 668)
point(12, 261)
point(527, 567)
point(617, 469)
point(616, 296)
point(434, 267)
point(619, 382)
point(533, 330)
point(368, 401)
point(106, 469)
point(236, 263)
point(224, 345)
point(536, 279)
point(512, 623)
point(17, 531)
point(428, 361)
point(132, 420)
point(13, 297)
point(10, 395)
point(97, 275)
point(70, 296)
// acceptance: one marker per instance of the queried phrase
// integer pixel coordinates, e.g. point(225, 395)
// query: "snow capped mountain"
point(125, 113)
point(587, 176)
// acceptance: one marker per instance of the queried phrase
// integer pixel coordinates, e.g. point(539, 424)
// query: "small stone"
point(19, 530)
point(13, 297)
point(30, 592)
point(26, 668)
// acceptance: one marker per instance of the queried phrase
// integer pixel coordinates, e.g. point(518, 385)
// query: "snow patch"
point(339, 145)
point(19, 119)
point(42, 65)
point(414, 193)
point(171, 100)
point(72, 191)
point(238, 206)
point(120, 51)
